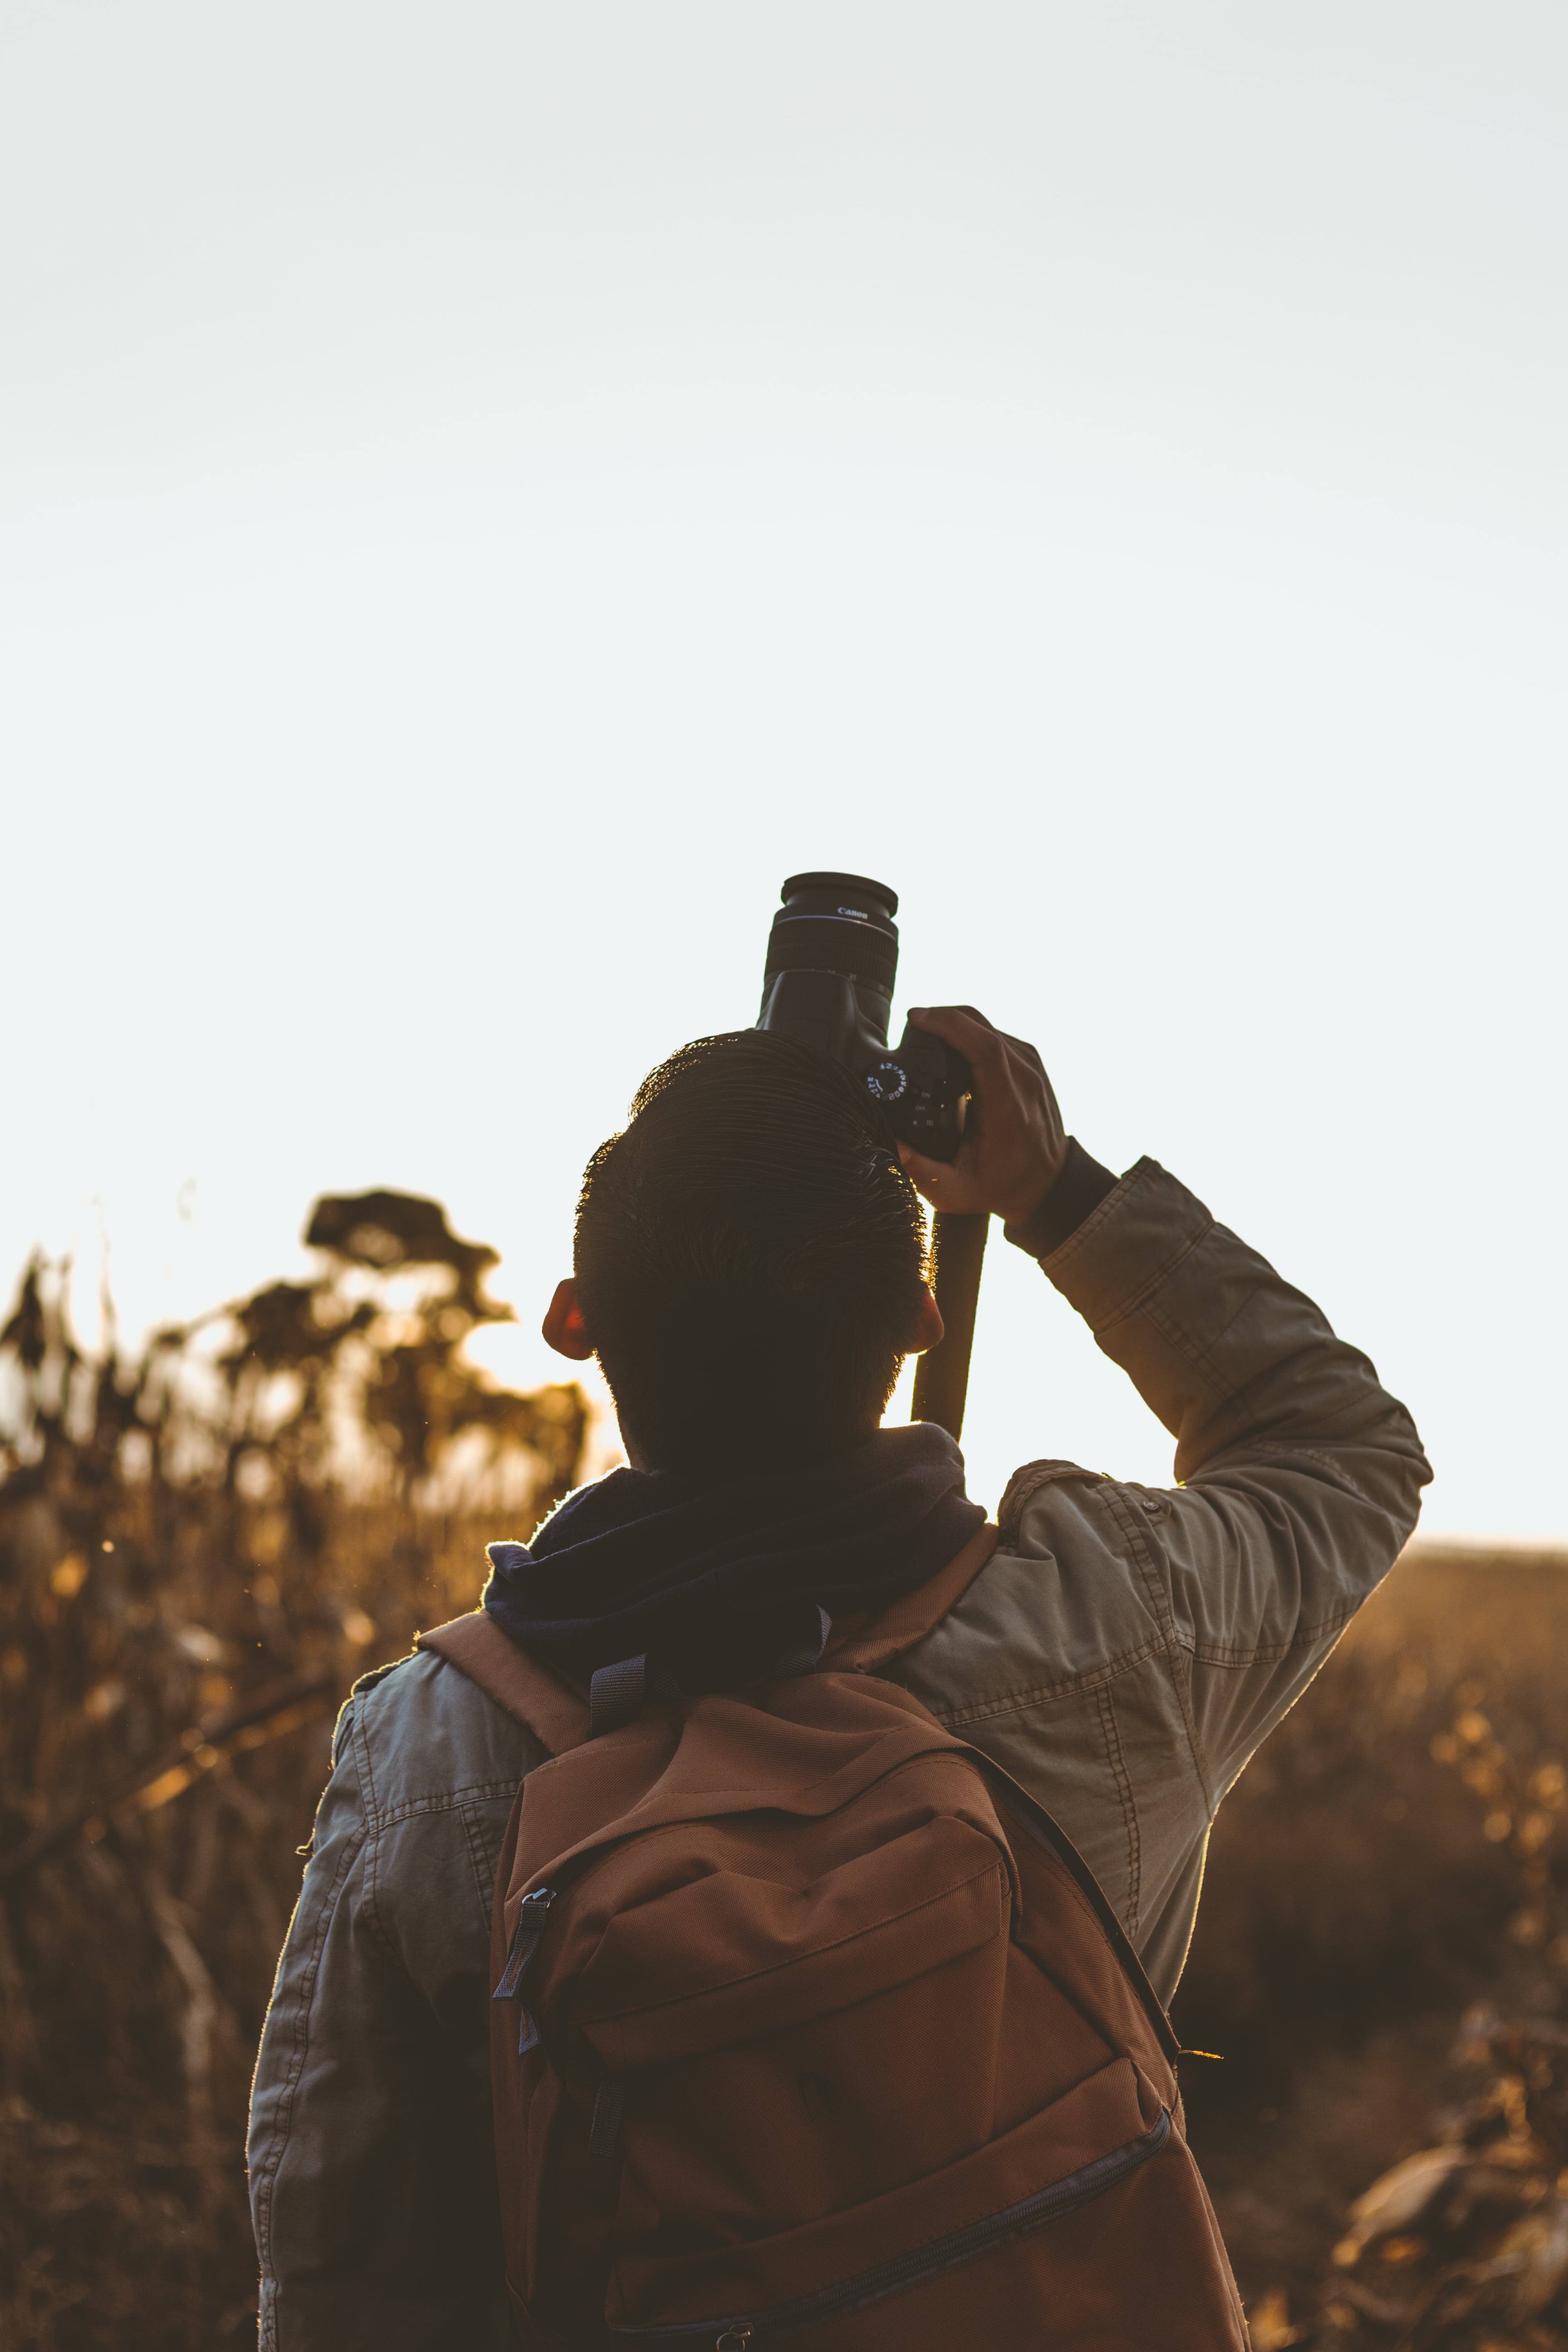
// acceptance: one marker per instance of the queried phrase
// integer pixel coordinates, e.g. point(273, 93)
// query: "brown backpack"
point(812, 2030)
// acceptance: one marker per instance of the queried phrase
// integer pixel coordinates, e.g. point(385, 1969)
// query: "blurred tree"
point(199, 1547)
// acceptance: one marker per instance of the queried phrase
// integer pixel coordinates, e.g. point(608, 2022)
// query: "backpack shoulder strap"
point(864, 1643)
point(541, 1701)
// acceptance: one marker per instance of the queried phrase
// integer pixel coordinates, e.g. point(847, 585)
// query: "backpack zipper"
point(744, 2330)
point(532, 1918)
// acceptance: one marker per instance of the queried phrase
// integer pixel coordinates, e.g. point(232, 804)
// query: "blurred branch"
point(268, 1715)
point(201, 2008)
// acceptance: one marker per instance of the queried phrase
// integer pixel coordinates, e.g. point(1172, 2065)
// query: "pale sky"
point(488, 491)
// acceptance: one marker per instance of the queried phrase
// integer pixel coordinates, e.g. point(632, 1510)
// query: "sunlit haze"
point(488, 491)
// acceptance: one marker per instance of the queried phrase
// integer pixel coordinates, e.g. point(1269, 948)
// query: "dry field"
point(1381, 1962)
point(199, 1551)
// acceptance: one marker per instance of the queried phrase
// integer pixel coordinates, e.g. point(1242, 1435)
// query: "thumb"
point(926, 1175)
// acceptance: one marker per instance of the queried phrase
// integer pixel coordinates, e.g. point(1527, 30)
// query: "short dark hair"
point(749, 1255)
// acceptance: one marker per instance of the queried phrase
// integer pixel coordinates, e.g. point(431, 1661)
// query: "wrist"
point(1026, 1202)
point(1077, 1190)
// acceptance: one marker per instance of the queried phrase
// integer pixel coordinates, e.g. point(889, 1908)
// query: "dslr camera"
point(833, 956)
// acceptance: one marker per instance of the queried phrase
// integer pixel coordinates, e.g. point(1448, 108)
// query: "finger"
point(1031, 1054)
point(927, 1175)
point(1003, 1055)
point(961, 1025)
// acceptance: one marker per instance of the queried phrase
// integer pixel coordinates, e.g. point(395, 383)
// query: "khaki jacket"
point(1121, 1654)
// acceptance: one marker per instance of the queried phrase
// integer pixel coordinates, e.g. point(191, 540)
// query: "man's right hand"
point(1015, 1145)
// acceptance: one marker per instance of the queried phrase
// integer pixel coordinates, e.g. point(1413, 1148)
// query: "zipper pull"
point(734, 2339)
point(532, 1918)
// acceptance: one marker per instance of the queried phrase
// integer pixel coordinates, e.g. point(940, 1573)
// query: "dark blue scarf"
point(719, 1578)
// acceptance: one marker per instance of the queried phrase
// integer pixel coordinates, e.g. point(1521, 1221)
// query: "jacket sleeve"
point(372, 2185)
point(1299, 1477)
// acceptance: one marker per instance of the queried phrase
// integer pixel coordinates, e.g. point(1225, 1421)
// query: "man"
point(750, 1271)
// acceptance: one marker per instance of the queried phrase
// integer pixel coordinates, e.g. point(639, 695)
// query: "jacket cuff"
point(1128, 1246)
point(1080, 1189)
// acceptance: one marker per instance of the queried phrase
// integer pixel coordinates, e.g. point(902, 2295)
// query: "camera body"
point(833, 958)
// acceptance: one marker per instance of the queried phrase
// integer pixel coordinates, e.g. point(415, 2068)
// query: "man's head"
point(749, 1259)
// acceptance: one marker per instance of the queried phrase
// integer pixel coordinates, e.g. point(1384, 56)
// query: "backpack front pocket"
point(727, 1957)
point(811, 2282)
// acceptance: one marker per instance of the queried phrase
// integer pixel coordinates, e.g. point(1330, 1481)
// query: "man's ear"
point(928, 1325)
point(563, 1325)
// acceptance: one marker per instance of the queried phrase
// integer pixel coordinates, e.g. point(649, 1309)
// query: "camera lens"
point(835, 922)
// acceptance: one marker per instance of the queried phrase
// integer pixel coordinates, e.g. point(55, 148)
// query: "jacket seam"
point(1202, 1355)
point(1198, 1354)
point(484, 1879)
point(1218, 1654)
point(1018, 1701)
point(360, 1742)
point(1117, 1762)
point(370, 1909)
point(447, 1800)
point(343, 1730)
point(1178, 1658)
point(1025, 1482)
point(1136, 1300)
point(1281, 1454)
point(1156, 1589)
